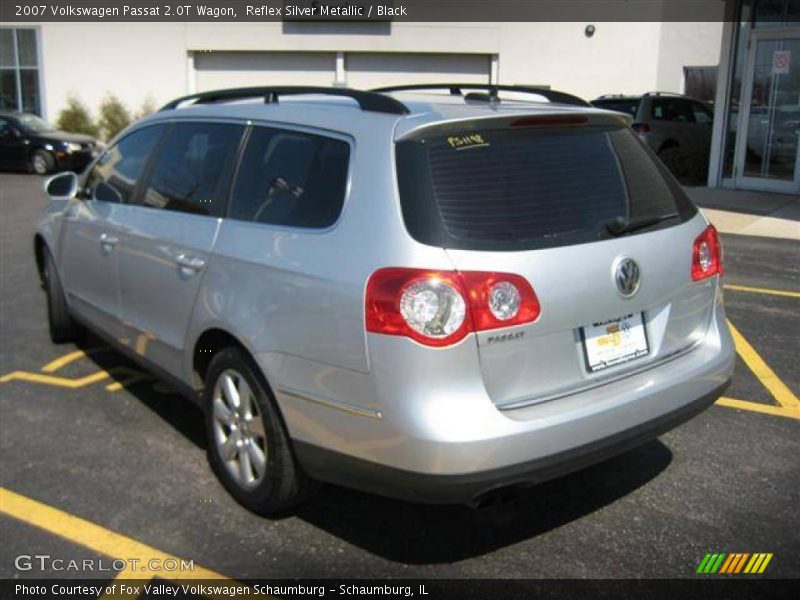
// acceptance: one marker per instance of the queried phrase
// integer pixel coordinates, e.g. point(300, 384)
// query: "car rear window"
point(671, 109)
point(630, 107)
point(515, 189)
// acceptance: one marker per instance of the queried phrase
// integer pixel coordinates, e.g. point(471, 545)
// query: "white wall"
point(215, 70)
point(686, 45)
point(130, 60)
point(135, 61)
point(367, 70)
point(618, 58)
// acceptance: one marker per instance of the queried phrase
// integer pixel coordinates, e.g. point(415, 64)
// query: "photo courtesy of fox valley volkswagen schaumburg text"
point(402, 298)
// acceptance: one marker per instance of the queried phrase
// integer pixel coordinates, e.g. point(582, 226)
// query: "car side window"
point(191, 171)
point(702, 114)
point(7, 129)
point(671, 109)
point(291, 178)
point(113, 178)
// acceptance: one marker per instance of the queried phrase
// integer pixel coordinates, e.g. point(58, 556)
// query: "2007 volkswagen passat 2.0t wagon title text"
point(430, 294)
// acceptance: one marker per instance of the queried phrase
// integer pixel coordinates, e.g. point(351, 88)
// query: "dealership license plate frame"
point(636, 348)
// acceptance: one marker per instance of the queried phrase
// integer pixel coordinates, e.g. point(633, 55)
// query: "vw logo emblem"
point(626, 276)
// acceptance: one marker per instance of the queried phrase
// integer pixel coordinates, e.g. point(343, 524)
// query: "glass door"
point(767, 156)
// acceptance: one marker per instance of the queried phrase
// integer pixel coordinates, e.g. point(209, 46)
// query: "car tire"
point(242, 437)
point(42, 162)
point(63, 328)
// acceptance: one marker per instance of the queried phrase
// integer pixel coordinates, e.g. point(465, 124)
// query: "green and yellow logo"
point(734, 563)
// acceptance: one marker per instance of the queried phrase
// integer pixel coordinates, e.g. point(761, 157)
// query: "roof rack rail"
point(493, 89)
point(662, 94)
point(366, 100)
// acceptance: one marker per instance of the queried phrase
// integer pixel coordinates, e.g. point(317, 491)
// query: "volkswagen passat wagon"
point(427, 294)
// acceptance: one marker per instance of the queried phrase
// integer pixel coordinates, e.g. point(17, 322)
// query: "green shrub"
point(114, 117)
point(76, 118)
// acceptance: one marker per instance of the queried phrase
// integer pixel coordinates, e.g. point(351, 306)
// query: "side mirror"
point(63, 186)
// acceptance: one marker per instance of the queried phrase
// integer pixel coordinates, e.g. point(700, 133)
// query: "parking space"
point(86, 432)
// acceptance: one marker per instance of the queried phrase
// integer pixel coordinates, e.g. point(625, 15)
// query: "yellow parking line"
point(756, 290)
point(65, 382)
point(133, 376)
point(112, 544)
point(63, 361)
point(56, 364)
point(92, 536)
point(767, 409)
point(779, 390)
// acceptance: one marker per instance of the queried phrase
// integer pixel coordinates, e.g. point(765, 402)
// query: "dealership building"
point(750, 67)
point(756, 137)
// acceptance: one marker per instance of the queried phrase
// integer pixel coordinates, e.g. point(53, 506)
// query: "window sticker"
point(467, 141)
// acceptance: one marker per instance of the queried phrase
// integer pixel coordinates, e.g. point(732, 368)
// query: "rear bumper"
point(443, 489)
point(436, 436)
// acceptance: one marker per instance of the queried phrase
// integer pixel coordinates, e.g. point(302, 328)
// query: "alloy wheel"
point(239, 434)
point(39, 165)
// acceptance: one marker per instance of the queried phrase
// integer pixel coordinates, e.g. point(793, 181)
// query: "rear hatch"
point(566, 201)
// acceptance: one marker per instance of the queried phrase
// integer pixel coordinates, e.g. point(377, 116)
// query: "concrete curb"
point(744, 224)
point(743, 212)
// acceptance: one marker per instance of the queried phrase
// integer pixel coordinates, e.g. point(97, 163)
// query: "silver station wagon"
point(438, 293)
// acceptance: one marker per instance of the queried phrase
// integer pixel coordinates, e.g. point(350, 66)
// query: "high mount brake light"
point(439, 308)
point(706, 255)
point(549, 121)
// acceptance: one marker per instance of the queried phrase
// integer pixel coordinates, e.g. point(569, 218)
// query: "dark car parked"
point(29, 142)
point(676, 127)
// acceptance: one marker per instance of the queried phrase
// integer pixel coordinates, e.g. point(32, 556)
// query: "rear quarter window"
point(291, 178)
point(530, 188)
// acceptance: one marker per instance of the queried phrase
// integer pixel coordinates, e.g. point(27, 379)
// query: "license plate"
point(614, 342)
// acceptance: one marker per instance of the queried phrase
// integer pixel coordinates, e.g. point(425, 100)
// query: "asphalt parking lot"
point(85, 432)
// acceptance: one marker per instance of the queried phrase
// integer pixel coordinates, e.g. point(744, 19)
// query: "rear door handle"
point(107, 242)
point(189, 263)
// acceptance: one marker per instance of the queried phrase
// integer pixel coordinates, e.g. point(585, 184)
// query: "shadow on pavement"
point(176, 410)
point(427, 534)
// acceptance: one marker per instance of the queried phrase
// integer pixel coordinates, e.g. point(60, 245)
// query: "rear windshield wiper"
point(621, 225)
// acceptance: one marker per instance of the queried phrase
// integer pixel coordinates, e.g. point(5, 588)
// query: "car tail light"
point(500, 300)
point(641, 127)
point(706, 255)
point(439, 308)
